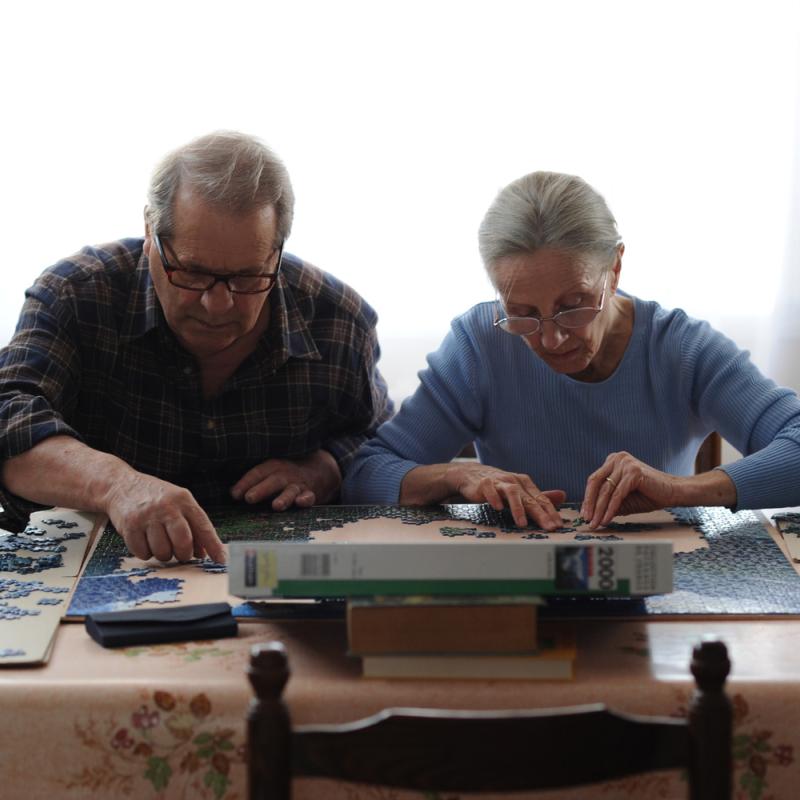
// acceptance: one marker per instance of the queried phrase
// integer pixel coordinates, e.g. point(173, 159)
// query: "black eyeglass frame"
point(216, 277)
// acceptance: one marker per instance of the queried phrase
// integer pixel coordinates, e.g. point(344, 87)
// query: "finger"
point(204, 534)
point(180, 536)
point(287, 496)
point(593, 484)
point(305, 499)
point(158, 541)
point(541, 510)
point(198, 549)
point(555, 496)
point(538, 505)
point(270, 486)
point(514, 500)
point(616, 498)
point(136, 541)
point(251, 478)
point(605, 493)
point(490, 494)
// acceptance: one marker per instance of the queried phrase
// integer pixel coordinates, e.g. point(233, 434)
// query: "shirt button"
point(210, 424)
point(187, 370)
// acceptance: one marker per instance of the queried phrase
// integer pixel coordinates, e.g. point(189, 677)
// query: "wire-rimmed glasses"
point(569, 318)
point(237, 283)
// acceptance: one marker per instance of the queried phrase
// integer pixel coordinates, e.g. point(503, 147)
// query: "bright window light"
point(400, 121)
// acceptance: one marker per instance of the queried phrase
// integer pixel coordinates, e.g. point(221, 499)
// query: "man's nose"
point(217, 299)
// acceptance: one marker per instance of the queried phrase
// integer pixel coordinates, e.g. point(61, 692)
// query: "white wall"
point(400, 121)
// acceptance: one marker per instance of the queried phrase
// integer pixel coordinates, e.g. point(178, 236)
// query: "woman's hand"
point(479, 483)
point(625, 485)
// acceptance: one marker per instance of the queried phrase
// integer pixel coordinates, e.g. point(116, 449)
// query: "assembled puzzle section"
point(724, 563)
point(788, 524)
point(740, 572)
point(38, 567)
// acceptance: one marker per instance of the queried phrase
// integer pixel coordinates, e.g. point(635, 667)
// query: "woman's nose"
point(551, 335)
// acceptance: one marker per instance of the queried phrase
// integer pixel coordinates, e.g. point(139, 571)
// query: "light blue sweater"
point(678, 380)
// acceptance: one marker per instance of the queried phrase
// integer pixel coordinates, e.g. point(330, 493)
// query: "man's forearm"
point(61, 471)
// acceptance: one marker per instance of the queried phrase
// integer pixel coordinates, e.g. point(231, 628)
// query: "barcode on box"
point(314, 565)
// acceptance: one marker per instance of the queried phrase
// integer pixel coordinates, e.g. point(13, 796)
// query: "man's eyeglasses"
point(237, 283)
point(570, 318)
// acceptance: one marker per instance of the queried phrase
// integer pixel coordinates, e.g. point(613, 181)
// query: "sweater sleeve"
point(758, 417)
point(432, 426)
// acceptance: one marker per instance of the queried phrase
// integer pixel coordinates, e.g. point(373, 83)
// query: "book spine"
point(303, 569)
point(470, 628)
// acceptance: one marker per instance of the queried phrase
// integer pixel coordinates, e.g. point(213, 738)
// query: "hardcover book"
point(553, 661)
point(442, 624)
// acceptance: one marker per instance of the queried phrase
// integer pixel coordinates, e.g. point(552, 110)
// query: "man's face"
point(206, 239)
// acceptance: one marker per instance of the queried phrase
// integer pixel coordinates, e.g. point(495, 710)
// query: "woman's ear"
point(617, 268)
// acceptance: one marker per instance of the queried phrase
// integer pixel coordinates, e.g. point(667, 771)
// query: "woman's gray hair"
point(547, 209)
point(231, 171)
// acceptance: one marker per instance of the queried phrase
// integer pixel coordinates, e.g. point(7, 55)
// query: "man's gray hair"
point(231, 171)
point(547, 209)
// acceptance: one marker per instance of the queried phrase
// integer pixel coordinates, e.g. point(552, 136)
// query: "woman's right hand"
point(480, 483)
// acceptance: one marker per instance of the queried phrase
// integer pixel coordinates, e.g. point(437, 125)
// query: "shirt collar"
point(289, 324)
point(143, 314)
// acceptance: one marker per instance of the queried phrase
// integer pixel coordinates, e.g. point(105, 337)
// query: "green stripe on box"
point(340, 588)
point(343, 588)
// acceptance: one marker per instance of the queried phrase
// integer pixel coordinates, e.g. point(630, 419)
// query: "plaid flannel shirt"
point(93, 358)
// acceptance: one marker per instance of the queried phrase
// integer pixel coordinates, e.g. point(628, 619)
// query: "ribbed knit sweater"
point(678, 380)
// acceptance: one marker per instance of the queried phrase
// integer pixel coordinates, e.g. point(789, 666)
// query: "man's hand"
point(157, 518)
point(303, 482)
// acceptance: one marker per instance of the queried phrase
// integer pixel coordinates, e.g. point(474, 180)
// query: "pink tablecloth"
point(168, 721)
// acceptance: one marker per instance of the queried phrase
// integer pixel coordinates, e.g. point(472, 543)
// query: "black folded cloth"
point(158, 625)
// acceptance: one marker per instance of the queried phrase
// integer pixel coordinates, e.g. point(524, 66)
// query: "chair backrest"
point(498, 751)
point(710, 453)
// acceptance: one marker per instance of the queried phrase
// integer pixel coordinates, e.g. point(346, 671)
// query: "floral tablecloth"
point(167, 721)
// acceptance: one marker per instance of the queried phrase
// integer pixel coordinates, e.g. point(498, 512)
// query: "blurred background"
point(399, 122)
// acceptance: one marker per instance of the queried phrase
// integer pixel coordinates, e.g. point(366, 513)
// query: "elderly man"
point(202, 364)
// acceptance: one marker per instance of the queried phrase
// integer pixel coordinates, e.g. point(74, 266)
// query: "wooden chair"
point(498, 751)
point(710, 453)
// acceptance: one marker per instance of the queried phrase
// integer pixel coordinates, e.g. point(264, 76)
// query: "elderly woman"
point(574, 390)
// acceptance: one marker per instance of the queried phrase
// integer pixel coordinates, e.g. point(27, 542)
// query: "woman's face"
point(549, 281)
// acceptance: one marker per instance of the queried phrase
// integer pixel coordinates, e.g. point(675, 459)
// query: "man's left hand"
point(303, 482)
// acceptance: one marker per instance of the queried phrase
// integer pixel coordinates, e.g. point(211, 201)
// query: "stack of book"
point(457, 637)
point(477, 616)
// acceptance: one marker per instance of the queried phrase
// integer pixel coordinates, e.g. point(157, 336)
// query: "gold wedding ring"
point(612, 482)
